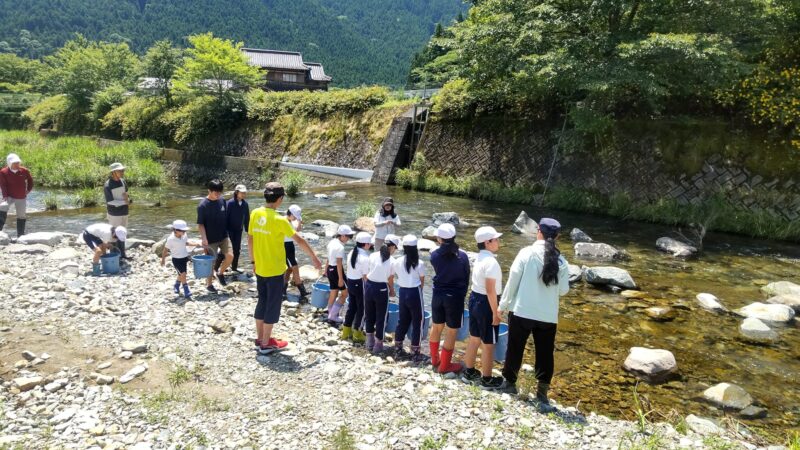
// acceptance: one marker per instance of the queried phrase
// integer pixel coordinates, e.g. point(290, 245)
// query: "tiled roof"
point(318, 72)
point(275, 59)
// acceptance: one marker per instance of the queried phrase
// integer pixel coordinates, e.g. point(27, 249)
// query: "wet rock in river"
point(660, 313)
point(675, 247)
point(768, 312)
point(781, 288)
point(426, 245)
point(330, 227)
point(577, 235)
point(525, 225)
point(653, 365)
point(790, 300)
point(753, 412)
point(608, 275)
point(598, 251)
point(633, 294)
point(726, 395)
point(446, 217)
point(710, 302)
point(364, 224)
point(575, 273)
point(754, 330)
point(429, 233)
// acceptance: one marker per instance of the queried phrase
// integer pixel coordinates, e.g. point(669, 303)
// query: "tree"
point(17, 74)
point(161, 62)
point(216, 65)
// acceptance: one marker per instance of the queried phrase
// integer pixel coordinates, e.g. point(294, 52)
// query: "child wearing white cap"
point(357, 270)
point(484, 314)
point(295, 217)
point(176, 247)
point(101, 237)
point(335, 272)
point(378, 288)
point(410, 273)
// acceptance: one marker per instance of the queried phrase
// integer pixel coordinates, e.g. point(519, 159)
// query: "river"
point(596, 328)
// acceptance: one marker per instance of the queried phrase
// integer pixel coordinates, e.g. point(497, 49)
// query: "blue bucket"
point(203, 265)
point(392, 317)
point(502, 343)
point(426, 325)
point(319, 295)
point(463, 332)
point(110, 263)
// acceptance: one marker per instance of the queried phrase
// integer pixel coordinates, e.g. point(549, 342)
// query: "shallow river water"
point(596, 328)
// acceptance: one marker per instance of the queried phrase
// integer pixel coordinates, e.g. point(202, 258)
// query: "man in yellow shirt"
point(265, 240)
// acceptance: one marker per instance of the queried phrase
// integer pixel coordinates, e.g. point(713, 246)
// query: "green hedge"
point(267, 106)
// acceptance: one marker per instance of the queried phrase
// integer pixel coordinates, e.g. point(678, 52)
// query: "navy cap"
point(549, 227)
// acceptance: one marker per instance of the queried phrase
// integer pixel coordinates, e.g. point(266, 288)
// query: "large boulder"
point(365, 224)
point(575, 273)
point(768, 312)
point(577, 235)
point(781, 288)
point(597, 251)
point(309, 273)
point(608, 275)
point(445, 217)
point(132, 243)
point(34, 249)
point(729, 396)
point(790, 300)
point(653, 365)
point(328, 226)
point(675, 247)
point(42, 237)
point(525, 225)
point(429, 233)
point(754, 330)
point(710, 302)
point(158, 247)
point(63, 254)
point(310, 237)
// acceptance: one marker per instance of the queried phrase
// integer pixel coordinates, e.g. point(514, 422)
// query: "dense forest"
point(358, 41)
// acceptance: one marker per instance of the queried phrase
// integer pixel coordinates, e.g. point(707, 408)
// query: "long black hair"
point(551, 254)
point(449, 247)
point(383, 211)
point(412, 257)
point(354, 255)
point(385, 254)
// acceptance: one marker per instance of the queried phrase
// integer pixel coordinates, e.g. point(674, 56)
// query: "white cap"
point(297, 212)
point(116, 166)
point(121, 233)
point(179, 225)
point(344, 230)
point(241, 188)
point(409, 240)
point(484, 234)
point(363, 238)
point(446, 231)
point(12, 158)
point(394, 239)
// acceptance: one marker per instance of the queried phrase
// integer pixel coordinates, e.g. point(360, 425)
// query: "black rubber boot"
point(218, 262)
point(303, 291)
point(21, 227)
point(541, 393)
point(121, 249)
point(3, 217)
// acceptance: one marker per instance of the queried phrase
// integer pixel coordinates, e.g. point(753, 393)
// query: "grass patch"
point(793, 441)
point(293, 182)
point(364, 209)
point(638, 441)
point(178, 376)
point(431, 443)
point(718, 443)
point(87, 198)
point(343, 439)
point(471, 186)
point(51, 201)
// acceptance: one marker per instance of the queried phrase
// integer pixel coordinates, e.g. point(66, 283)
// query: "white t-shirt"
point(335, 251)
point(385, 225)
point(379, 270)
point(101, 230)
point(177, 246)
point(362, 264)
point(486, 266)
point(295, 224)
point(405, 279)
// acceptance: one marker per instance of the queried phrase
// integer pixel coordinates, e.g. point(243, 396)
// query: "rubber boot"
point(434, 353)
point(347, 333)
point(96, 269)
point(177, 287)
point(3, 217)
point(333, 314)
point(378, 348)
point(417, 356)
point(302, 288)
point(370, 341)
point(285, 290)
point(446, 365)
point(359, 337)
point(21, 227)
point(186, 293)
point(541, 393)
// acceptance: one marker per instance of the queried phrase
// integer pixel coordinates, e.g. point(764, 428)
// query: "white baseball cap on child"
point(296, 212)
point(446, 231)
point(344, 230)
point(121, 233)
point(409, 240)
point(241, 188)
point(363, 237)
point(179, 225)
point(484, 234)
point(394, 239)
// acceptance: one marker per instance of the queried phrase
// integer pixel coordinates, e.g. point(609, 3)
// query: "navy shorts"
point(291, 258)
point(447, 307)
point(333, 278)
point(180, 264)
point(480, 319)
point(91, 240)
point(270, 297)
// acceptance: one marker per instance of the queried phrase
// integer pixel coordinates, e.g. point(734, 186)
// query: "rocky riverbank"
point(120, 362)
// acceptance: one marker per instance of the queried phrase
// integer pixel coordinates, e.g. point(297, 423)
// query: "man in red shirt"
point(15, 183)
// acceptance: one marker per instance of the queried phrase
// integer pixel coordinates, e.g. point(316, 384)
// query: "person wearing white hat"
point(295, 217)
point(176, 247)
point(16, 183)
point(335, 272)
point(115, 191)
point(377, 290)
point(484, 312)
point(102, 237)
point(450, 285)
point(238, 217)
point(410, 275)
point(357, 270)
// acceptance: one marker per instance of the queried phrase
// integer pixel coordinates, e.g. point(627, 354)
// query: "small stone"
point(577, 235)
point(134, 347)
point(101, 379)
point(63, 416)
point(754, 330)
point(633, 294)
point(29, 356)
point(677, 248)
point(660, 313)
point(768, 312)
point(701, 425)
point(753, 412)
point(56, 385)
point(133, 373)
point(27, 383)
point(104, 365)
point(653, 365)
point(126, 355)
point(710, 302)
point(221, 326)
point(726, 395)
point(525, 225)
point(446, 217)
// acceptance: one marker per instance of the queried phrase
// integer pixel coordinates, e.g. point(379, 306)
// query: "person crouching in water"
point(378, 288)
point(410, 272)
point(295, 218)
point(539, 276)
point(484, 314)
point(357, 270)
point(335, 272)
point(176, 247)
point(102, 237)
point(450, 284)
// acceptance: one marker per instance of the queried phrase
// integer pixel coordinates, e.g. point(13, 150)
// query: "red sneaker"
point(258, 342)
point(277, 343)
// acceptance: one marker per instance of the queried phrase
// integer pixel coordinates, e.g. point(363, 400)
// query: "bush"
point(472, 186)
point(106, 100)
point(364, 209)
point(87, 198)
point(268, 106)
point(293, 182)
point(55, 112)
point(137, 118)
point(51, 201)
point(203, 115)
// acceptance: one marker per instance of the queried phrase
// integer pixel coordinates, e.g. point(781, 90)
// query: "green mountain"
point(358, 41)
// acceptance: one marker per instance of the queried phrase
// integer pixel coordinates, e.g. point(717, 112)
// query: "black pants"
point(355, 309)
point(236, 243)
point(544, 339)
point(412, 313)
point(376, 304)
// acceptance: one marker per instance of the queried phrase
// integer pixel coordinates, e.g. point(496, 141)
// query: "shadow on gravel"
point(283, 363)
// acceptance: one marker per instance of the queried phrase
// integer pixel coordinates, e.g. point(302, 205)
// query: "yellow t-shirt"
point(268, 229)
